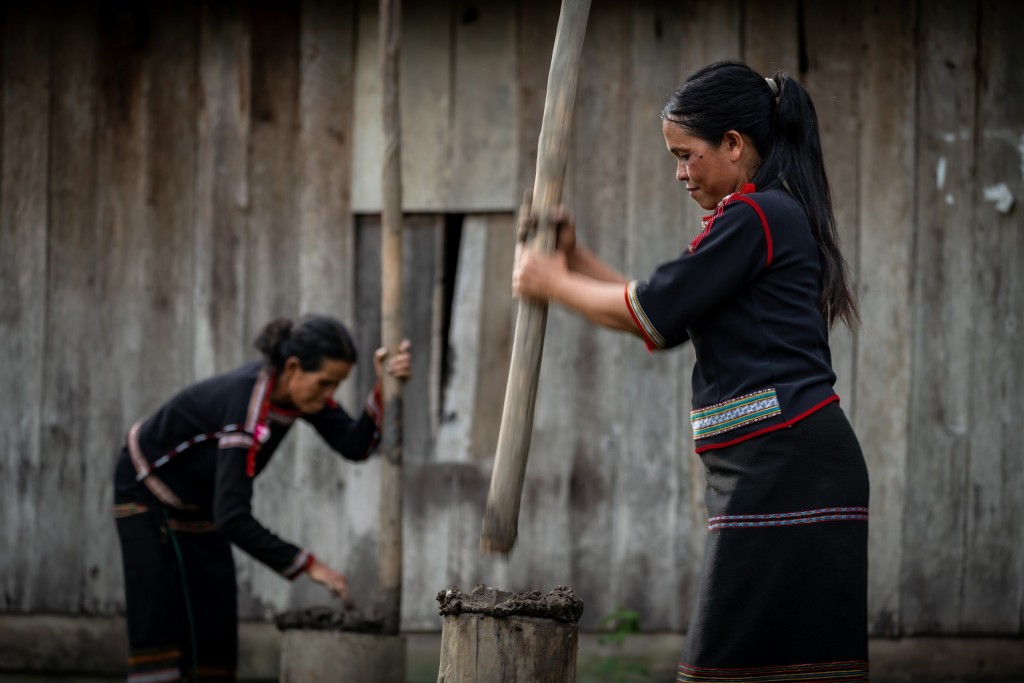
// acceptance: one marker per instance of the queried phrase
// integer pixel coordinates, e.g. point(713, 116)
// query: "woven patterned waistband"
point(735, 413)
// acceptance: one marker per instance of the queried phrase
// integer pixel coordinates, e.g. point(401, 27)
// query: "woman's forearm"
point(586, 262)
point(601, 302)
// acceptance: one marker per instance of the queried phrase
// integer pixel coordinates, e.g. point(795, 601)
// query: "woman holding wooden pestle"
point(183, 492)
point(756, 287)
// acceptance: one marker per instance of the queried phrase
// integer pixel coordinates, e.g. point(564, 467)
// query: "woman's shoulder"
point(240, 379)
point(776, 207)
point(775, 197)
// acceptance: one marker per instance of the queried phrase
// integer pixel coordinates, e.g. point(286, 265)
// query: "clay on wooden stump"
point(494, 635)
point(320, 645)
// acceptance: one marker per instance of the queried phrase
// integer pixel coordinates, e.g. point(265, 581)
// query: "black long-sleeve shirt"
point(201, 450)
point(745, 292)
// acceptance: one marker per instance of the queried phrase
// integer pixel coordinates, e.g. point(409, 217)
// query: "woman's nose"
point(681, 172)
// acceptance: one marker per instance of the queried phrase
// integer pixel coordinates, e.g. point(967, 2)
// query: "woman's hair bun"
point(311, 339)
point(272, 339)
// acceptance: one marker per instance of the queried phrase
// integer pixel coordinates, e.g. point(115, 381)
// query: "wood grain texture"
point(173, 175)
point(771, 38)
point(389, 542)
point(513, 649)
point(222, 187)
point(422, 255)
point(833, 36)
point(501, 515)
point(71, 264)
point(931, 571)
point(271, 258)
point(479, 339)
point(74, 261)
point(482, 164)
point(120, 173)
point(24, 226)
point(993, 591)
point(884, 281)
point(655, 479)
point(427, 91)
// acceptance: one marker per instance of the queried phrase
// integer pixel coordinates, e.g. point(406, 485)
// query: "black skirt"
point(783, 593)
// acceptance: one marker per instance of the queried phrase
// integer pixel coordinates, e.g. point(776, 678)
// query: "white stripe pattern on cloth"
point(641, 317)
point(297, 564)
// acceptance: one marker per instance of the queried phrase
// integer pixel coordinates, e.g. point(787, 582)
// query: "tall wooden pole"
point(501, 517)
point(389, 582)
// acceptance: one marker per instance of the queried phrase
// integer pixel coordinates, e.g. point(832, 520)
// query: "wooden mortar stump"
point(495, 635)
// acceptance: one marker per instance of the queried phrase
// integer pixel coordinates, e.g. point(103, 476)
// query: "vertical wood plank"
point(483, 164)
point(442, 543)
point(426, 101)
point(170, 130)
point(272, 245)
point(930, 583)
point(770, 36)
point(884, 267)
point(271, 256)
point(654, 531)
point(833, 39)
point(222, 187)
point(166, 41)
point(120, 171)
point(24, 223)
point(81, 459)
point(366, 104)
point(480, 339)
point(497, 321)
point(583, 361)
point(993, 577)
point(712, 31)
point(325, 235)
point(423, 248)
point(325, 223)
point(464, 347)
point(71, 259)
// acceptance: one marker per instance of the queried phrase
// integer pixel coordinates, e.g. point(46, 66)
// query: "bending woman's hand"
point(335, 582)
point(399, 366)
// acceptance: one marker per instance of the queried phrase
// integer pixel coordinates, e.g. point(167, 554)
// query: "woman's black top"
point(745, 292)
point(200, 451)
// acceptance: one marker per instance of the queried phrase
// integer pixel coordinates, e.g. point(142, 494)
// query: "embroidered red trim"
point(764, 224)
point(651, 346)
point(261, 419)
point(707, 221)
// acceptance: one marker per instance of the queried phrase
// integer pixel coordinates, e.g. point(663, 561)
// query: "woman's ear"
point(290, 366)
point(734, 144)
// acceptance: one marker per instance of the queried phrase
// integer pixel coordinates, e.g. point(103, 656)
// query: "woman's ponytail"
point(796, 160)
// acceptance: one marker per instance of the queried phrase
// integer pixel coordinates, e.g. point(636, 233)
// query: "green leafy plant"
point(617, 626)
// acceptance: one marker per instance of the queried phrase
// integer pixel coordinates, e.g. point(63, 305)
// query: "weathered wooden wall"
point(173, 175)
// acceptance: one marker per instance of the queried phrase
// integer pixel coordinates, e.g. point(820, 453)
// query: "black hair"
point(311, 339)
point(779, 119)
